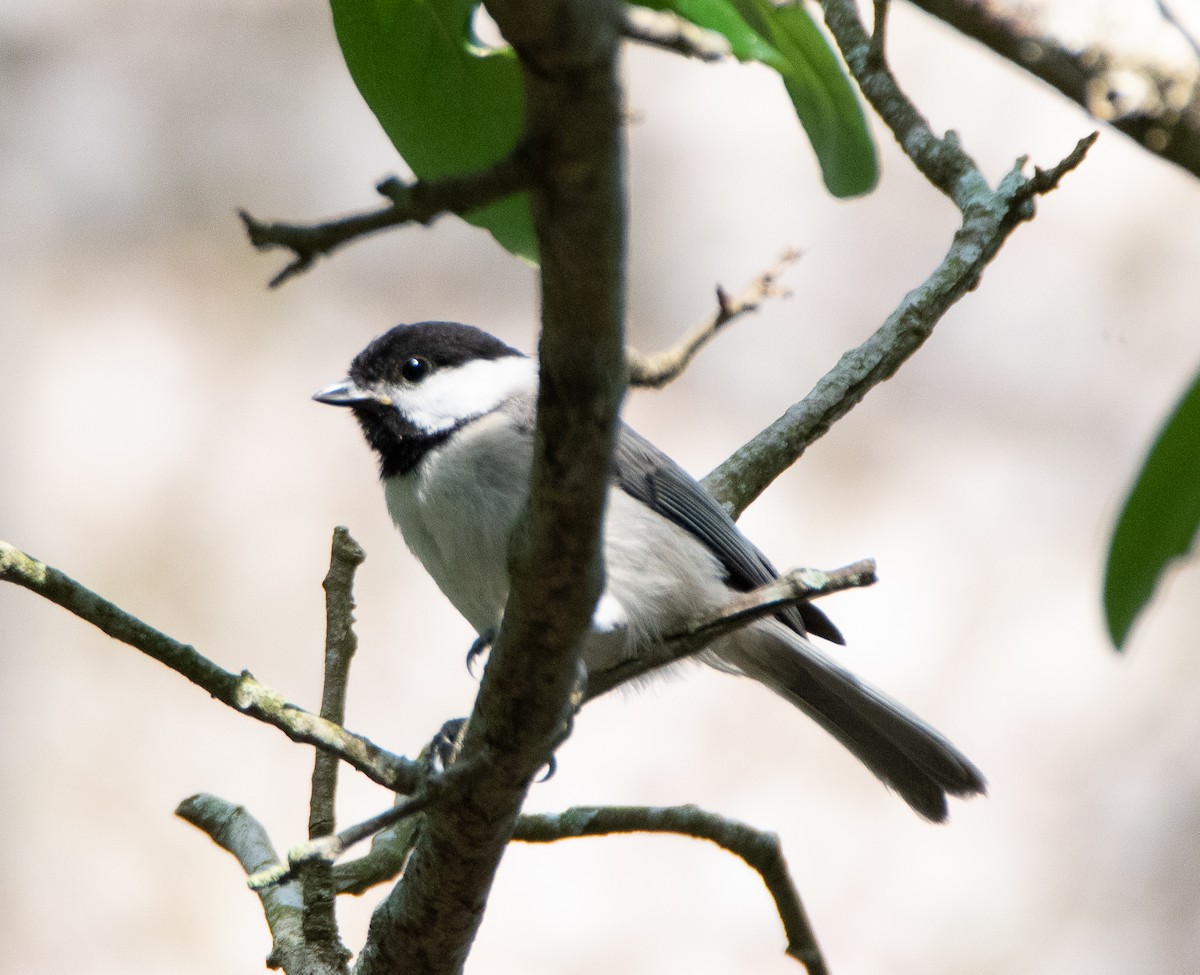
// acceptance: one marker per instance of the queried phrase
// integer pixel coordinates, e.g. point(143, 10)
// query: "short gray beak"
point(347, 393)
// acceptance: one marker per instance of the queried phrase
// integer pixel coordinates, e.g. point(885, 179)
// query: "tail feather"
point(905, 753)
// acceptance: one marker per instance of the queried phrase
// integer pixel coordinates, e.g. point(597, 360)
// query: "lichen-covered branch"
point(758, 849)
point(988, 218)
point(571, 162)
point(317, 884)
point(233, 829)
point(239, 691)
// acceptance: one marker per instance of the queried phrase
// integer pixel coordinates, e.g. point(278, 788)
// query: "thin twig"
point(239, 691)
point(941, 160)
point(759, 850)
point(667, 30)
point(320, 921)
point(1045, 180)
point(417, 202)
point(435, 788)
point(657, 369)
point(325, 850)
point(393, 842)
point(390, 849)
point(340, 644)
point(790, 589)
point(332, 847)
point(1169, 16)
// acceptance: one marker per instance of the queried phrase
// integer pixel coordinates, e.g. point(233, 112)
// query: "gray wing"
point(646, 473)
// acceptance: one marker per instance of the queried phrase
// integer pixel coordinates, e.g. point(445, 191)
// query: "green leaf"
point(721, 17)
point(1160, 518)
point(451, 105)
point(448, 104)
point(824, 99)
point(786, 39)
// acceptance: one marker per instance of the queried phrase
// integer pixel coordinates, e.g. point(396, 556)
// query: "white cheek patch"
point(450, 395)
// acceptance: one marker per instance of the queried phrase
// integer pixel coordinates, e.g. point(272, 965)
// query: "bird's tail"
point(902, 750)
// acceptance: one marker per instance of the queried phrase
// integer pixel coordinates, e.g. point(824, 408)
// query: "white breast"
point(456, 510)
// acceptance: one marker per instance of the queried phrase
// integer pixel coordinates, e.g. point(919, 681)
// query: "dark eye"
point(415, 369)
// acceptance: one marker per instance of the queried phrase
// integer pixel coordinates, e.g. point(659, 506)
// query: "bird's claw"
point(446, 744)
point(482, 644)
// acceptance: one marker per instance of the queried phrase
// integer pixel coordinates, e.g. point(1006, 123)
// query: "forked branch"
point(420, 201)
point(655, 370)
point(988, 218)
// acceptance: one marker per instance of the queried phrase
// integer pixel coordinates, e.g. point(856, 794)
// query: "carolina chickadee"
point(450, 411)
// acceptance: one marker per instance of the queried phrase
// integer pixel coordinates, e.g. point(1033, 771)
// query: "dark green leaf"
point(1160, 518)
point(448, 104)
point(721, 17)
point(822, 95)
point(786, 39)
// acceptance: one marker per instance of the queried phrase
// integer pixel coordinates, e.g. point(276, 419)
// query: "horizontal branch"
point(759, 850)
point(417, 202)
point(239, 691)
point(667, 30)
point(239, 833)
point(797, 586)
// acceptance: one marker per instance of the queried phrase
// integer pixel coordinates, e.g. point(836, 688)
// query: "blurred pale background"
point(159, 444)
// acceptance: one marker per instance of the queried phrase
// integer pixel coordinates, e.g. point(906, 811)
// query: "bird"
point(449, 411)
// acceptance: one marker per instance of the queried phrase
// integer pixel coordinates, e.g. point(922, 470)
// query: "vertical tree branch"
point(319, 919)
point(573, 136)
